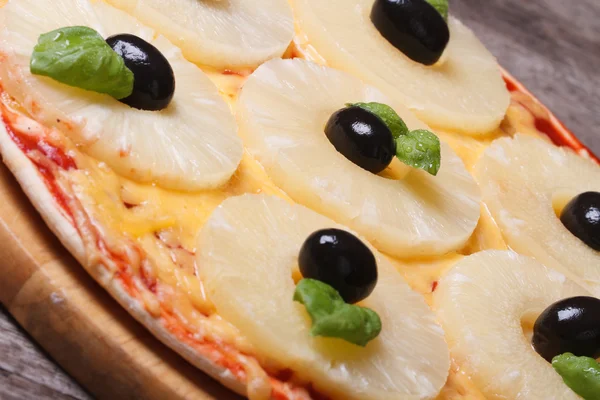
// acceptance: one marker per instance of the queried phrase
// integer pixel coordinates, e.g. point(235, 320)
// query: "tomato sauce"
point(550, 126)
point(27, 144)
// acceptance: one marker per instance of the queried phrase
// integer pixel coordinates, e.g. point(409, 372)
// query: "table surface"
point(552, 46)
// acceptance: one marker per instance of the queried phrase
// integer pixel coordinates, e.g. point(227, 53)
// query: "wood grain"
point(553, 46)
point(25, 370)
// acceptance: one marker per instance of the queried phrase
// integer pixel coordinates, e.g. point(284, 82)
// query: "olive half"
point(569, 326)
point(154, 80)
point(414, 27)
point(341, 260)
point(361, 137)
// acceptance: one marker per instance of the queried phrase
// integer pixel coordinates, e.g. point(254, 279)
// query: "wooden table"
point(552, 46)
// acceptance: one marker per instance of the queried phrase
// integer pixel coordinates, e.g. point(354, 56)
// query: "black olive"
point(414, 27)
point(154, 80)
point(342, 261)
point(570, 325)
point(361, 137)
point(582, 218)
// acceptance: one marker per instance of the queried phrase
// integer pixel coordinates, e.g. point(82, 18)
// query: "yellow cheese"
point(165, 223)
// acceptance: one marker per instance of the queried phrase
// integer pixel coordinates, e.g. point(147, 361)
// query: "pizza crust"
point(34, 187)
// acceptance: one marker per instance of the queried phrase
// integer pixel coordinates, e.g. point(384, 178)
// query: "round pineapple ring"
point(282, 112)
point(190, 145)
point(482, 303)
point(464, 92)
point(248, 252)
point(220, 33)
point(522, 179)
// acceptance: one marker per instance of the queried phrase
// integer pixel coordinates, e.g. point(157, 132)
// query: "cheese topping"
point(148, 214)
point(164, 224)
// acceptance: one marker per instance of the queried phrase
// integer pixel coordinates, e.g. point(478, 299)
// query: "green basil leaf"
point(387, 115)
point(581, 374)
point(332, 317)
point(78, 56)
point(420, 149)
point(441, 6)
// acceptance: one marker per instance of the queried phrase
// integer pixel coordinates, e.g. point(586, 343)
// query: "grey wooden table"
point(553, 46)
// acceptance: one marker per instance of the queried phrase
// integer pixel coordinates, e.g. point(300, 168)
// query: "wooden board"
point(82, 328)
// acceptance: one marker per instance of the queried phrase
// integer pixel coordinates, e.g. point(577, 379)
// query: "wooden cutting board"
point(80, 325)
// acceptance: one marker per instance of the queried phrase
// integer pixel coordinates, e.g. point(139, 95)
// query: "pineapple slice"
point(523, 180)
point(463, 92)
point(483, 304)
point(282, 112)
point(224, 34)
point(248, 253)
point(190, 145)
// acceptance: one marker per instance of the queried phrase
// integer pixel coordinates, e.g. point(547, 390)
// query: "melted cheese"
point(140, 211)
point(259, 386)
point(165, 223)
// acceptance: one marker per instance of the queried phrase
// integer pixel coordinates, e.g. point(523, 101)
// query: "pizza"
point(308, 199)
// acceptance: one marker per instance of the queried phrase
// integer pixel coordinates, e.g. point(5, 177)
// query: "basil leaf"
point(420, 149)
point(332, 317)
point(387, 115)
point(78, 56)
point(441, 6)
point(581, 374)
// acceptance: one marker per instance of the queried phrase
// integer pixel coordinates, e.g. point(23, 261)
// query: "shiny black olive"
point(362, 137)
point(342, 261)
point(582, 218)
point(154, 80)
point(414, 27)
point(570, 325)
